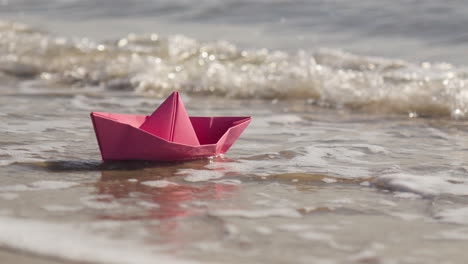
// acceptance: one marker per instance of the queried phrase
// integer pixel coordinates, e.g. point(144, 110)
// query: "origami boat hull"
point(120, 138)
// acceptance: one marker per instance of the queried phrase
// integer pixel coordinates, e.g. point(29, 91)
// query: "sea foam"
point(156, 65)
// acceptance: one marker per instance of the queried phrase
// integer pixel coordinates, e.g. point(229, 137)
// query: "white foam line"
point(66, 241)
point(279, 212)
point(159, 183)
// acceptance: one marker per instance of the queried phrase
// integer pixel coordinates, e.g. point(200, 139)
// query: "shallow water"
point(324, 186)
point(350, 158)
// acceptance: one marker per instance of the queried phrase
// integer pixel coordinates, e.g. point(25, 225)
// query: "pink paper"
point(169, 134)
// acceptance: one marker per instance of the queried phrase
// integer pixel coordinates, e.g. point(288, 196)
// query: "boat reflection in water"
point(161, 191)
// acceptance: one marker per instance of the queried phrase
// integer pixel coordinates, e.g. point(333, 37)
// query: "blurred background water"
point(395, 29)
point(356, 152)
point(391, 56)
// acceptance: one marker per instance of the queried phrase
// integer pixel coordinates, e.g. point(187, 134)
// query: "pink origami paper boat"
point(169, 134)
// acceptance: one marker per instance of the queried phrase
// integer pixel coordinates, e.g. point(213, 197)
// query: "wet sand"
point(24, 258)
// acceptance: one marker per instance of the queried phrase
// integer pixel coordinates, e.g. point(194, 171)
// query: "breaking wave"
point(154, 65)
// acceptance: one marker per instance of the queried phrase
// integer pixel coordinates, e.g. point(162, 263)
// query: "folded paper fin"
point(171, 122)
point(139, 137)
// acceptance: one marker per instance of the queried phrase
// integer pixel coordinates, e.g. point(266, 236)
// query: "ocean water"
point(356, 153)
